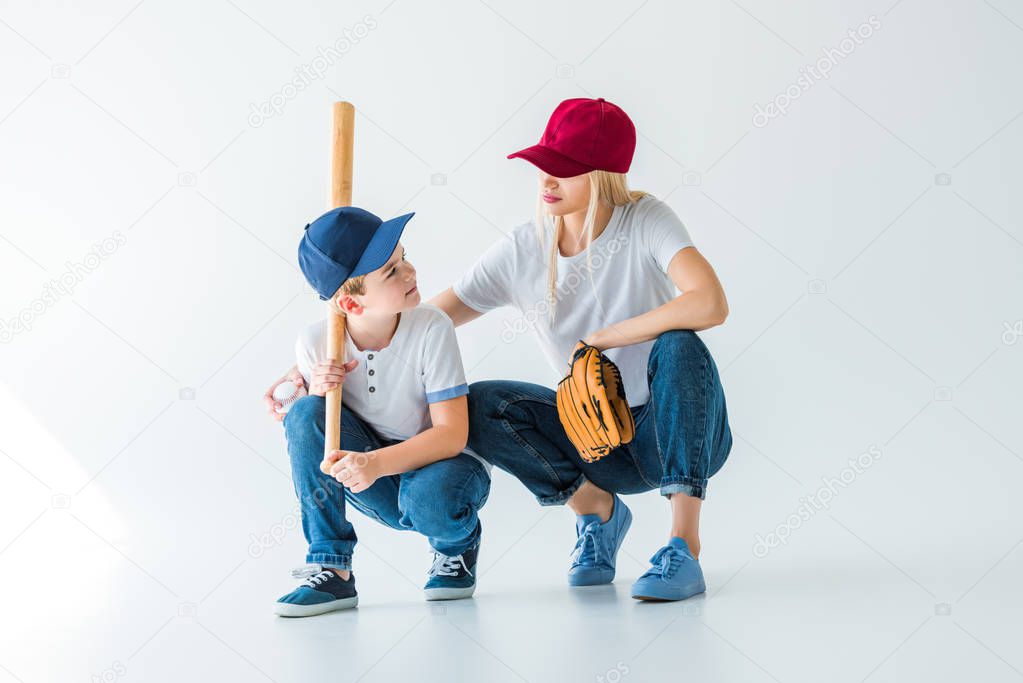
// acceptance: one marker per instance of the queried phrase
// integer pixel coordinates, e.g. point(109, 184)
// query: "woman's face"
point(562, 196)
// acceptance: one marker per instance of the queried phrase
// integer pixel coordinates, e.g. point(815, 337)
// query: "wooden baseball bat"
point(342, 142)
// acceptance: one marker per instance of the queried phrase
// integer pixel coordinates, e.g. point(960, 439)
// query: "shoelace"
point(587, 540)
point(666, 562)
point(444, 565)
point(314, 574)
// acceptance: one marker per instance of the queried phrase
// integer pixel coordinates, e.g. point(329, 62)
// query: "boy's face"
point(390, 289)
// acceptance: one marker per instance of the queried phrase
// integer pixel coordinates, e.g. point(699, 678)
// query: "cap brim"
point(381, 246)
point(551, 162)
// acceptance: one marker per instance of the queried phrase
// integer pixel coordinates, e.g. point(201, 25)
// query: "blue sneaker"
point(323, 591)
point(675, 574)
point(452, 577)
point(597, 544)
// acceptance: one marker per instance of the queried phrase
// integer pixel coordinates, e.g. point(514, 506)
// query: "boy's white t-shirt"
point(630, 262)
point(392, 389)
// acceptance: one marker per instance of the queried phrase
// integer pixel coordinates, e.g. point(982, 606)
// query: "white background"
point(874, 303)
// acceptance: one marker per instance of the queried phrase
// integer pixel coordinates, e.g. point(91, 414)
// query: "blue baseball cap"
point(346, 242)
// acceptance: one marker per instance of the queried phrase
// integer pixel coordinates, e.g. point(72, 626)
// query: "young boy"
point(404, 418)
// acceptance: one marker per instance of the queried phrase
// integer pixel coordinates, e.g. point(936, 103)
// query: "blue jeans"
point(682, 433)
point(440, 500)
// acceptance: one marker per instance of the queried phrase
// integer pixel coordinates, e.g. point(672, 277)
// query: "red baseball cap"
point(583, 135)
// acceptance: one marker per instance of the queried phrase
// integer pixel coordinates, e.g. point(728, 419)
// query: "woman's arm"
point(445, 439)
point(701, 305)
point(449, 302)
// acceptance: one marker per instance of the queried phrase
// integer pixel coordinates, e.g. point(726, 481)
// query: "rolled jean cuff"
point(690, 486)
point(561, 497)
point(328, 560)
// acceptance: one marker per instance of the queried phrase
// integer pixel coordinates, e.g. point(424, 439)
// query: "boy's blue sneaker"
point(452, 577)
point(323, 591)
point(675, 574)
point(597, 544)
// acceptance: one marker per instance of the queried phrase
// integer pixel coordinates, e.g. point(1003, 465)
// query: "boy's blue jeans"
point(682, 433)
point(440, 500)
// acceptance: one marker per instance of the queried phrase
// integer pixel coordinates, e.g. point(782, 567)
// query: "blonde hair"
point(607, 188)
point(352, 286)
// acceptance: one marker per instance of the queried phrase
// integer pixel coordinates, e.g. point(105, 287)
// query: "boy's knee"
point(306, 412)
point(441, 518)
point(434, 504)
point(303, 426)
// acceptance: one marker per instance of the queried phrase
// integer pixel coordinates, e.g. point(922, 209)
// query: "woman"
point(601, 264)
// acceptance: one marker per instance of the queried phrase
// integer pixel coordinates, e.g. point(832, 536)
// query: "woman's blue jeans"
point(682, 433)
point(441, 500)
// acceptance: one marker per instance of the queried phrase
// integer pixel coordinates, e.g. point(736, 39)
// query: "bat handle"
point(343, 142)
point(335, 349)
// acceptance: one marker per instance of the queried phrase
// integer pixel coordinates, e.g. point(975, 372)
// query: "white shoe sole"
point(287, 609)
point(449, 593)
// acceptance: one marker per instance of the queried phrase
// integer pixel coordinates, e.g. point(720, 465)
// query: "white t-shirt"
point(630, 263)
point(392, 389)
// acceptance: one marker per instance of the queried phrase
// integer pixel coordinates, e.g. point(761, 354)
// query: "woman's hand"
point(595, 340)
point(293, 375)
point(356, 471)
point(327, 374)
point(599, 339)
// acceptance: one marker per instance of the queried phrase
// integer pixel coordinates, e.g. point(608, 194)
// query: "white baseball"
point(286, 393)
